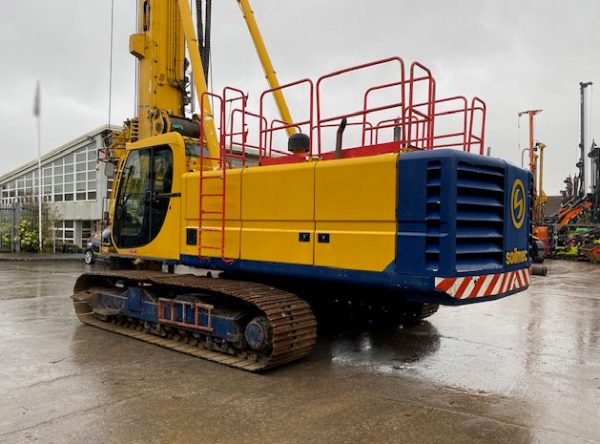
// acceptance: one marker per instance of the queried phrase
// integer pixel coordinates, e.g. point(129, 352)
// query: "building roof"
point(62, 150)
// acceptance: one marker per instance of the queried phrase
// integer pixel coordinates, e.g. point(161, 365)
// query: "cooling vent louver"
point(433, 216)
point(479, 217)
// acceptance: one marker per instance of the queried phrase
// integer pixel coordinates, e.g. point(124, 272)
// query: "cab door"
point(147, 205)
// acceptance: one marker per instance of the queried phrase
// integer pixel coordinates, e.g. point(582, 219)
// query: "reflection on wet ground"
point(522, 369)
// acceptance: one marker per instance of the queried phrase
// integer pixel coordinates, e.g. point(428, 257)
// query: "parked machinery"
point(410, 216)
point(573, 229)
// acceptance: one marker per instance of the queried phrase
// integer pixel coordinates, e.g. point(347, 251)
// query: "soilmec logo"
point(516, 257)
point(517, 204)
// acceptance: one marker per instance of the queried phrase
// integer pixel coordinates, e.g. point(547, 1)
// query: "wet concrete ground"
point(522, 369)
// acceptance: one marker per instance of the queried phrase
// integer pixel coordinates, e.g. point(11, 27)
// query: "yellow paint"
point(278, 205)
point(210, 131)
point(160, 51)
point(166, 244)
point(191, 212)
point(276, 213)
point(356, 206)
point(273, 213)
point(516, 257)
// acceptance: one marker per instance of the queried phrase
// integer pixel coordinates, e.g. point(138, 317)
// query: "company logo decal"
point(517, 204)
point(516, 257)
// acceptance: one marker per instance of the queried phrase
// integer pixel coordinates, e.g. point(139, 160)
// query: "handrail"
point(263, 132)
point(483, 108)
point(364, 112)
point(430, 95)
point(408, 103)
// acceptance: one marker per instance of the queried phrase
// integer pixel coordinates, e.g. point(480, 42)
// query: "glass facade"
point(64, 231)
point(71, 178)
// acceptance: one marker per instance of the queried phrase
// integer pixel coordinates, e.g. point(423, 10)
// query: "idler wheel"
point(258, 333)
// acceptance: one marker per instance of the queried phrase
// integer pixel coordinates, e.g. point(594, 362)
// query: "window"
point(143, 198)
point(64, 231)
point(86, 231)
point(72, 177)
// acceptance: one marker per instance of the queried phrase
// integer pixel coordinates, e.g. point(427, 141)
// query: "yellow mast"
point(265, 60)
point(541, 197)
point(166, 26)
point(160, 51)
point(533, 161)
point(210, 132)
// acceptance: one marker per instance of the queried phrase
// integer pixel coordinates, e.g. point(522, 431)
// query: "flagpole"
point(39, 140)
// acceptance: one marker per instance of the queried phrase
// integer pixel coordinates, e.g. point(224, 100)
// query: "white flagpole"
point(36, 111)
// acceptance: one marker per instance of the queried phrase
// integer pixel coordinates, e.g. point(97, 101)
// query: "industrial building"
point(74, 186)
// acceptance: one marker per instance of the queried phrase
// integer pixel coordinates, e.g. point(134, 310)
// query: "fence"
point(15, 219)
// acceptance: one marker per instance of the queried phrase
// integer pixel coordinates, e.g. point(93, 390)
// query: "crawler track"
point(294, 327)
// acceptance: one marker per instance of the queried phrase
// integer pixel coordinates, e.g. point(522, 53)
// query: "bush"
point(28, 235)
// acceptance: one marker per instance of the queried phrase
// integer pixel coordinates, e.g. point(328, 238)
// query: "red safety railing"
point(477, 106)
point(227, 136)
point(415, 126)
point(407, 104)
point(267, 132)
point(208, 195)
point(240, 138)
point(454, 137)
point(422, 120)
point(324, 120)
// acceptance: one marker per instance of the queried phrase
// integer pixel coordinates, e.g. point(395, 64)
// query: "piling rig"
point(406, 216)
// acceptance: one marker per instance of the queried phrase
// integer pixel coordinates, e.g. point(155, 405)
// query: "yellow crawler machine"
point(407, 219)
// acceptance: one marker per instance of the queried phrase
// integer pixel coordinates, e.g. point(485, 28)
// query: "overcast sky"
point(515, 54)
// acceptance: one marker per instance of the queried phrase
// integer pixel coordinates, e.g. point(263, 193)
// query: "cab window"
point(144, 194)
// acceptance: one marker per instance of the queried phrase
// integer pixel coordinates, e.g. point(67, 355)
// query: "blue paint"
point(255, 336)
point(454, 214)
point(454, 219)
point(135, 303)
point(224, 324)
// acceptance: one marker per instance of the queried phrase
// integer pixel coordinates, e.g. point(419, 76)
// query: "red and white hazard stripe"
point(484, 285)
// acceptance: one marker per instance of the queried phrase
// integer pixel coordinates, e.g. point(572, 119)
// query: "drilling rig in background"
point(541, 244)
point(574, 229)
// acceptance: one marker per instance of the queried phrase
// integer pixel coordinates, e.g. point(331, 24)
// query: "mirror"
point(109, 169)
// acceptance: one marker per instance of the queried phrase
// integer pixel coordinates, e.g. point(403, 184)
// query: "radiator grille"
point(479, 217)
point(433, 215)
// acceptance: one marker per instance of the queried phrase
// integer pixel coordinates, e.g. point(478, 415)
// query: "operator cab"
point(143, 197)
